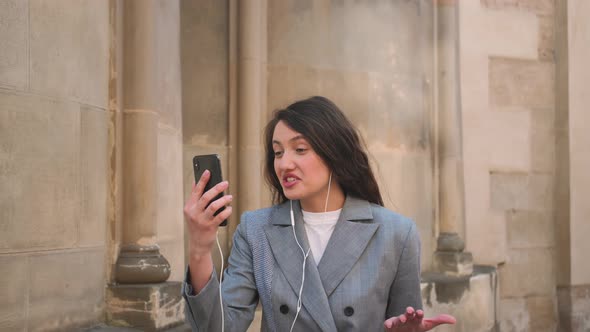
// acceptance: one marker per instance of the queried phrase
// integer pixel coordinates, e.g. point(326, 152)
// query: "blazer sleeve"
point(240, 296)
point(405, 289)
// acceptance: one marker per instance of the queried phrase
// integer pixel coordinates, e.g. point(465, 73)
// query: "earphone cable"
point(220, 281)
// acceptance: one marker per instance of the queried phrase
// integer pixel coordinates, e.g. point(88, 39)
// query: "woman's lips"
point(290, 181)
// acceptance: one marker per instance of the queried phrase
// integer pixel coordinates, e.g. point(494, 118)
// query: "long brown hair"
point(333, 138)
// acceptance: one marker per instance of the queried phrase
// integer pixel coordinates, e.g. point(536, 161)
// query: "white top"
point(319, 227)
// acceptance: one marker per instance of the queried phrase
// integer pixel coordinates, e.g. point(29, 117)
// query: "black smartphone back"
point(213, 164)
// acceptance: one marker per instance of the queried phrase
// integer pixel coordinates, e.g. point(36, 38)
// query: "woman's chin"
point(290, 194)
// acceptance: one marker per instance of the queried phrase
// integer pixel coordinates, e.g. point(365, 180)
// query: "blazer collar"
point(354, 209)
point(347, 243)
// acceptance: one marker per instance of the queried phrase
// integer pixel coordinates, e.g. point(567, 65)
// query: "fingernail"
point(231, 197)
point(206, 172)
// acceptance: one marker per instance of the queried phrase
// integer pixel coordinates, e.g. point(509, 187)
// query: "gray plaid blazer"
point(369, 272)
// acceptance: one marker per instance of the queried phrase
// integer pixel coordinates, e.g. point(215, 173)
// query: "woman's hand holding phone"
point(202, 227)
point(199, 211)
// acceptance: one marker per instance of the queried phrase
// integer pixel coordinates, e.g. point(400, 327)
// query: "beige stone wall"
point(508, 98)
point(170, 222)
point(374, 60)
point(204, 48)
point(53, 162)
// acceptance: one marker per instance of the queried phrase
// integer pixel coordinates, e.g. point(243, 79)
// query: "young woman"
point(327, 257)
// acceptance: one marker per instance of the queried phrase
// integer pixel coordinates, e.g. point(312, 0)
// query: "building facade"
point(473, 113)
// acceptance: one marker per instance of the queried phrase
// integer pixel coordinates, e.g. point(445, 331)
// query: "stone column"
point(572, 164)
point(449, 257)
point(139, 260)
point(140, 297)
point(251, 102)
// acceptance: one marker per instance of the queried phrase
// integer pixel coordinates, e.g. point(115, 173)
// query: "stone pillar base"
point(574, 308)
point(454, 264)
point(149, 307)
point(472, 300)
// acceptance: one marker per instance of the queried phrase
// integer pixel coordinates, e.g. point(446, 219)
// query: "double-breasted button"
point(348, 311)
point(284, 309)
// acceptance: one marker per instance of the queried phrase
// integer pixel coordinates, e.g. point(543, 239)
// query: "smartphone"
point(213, 164)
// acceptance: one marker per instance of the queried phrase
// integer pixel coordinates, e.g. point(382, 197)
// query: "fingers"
point(212, 193)
point(410, 313)
point(410, 316)
point(223, 215)
point(443, 319)
point(419, 314)
point(200, 186)
point(392, 322)
point(218, 204)
point(430, 323)
point(396, 321)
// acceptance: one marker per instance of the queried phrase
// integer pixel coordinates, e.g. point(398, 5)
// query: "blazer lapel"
point(289, 259)
point(347, 243)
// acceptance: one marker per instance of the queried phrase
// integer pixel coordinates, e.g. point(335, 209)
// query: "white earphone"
point(305, 254)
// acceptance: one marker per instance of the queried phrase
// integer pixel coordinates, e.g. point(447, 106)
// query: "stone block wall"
point(54, 126)
point(508, 96)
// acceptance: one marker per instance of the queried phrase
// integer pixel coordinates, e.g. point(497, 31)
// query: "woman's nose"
point(286, 162)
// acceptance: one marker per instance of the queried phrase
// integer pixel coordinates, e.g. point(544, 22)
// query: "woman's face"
point(302, 173)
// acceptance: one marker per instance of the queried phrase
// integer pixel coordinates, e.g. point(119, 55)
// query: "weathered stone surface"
point(14, 286)
point(288, 83)
point(39, 170)
point(450, 242)
point(141, 264)
point(525, 83)
point(149, 307)
point(167, 70)
point(530, 229)
point(204, 53)
point(69, 48)
point(521, 191)
point(536, 313)
point(527, 272)
point(14, 30)
point(547, 38)
point(510, 34)
point(514, 316)
point(502, 129)
point(545, 7)
point(397, 111)
point(59, 297)
point(457, 264)
point(311, 34)
point(543, 141)
point(170, 219)
point(574, 308)
point(94, 180)
point(543, 313)
point(471, 300)
point(579, 138)
point(350, 91)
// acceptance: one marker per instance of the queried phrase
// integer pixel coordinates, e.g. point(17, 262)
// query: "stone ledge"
point(148, 307)
point(471, 299)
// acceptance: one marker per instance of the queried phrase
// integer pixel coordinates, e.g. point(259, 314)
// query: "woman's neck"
point(318, 202)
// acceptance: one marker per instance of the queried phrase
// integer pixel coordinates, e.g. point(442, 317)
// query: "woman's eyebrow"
point(296, 138)
point(292, 139)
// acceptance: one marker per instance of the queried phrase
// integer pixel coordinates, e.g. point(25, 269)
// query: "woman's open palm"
point(414, 321)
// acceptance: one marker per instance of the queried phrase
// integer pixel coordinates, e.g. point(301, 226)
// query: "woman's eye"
point(278, 153)
point(300, 150)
